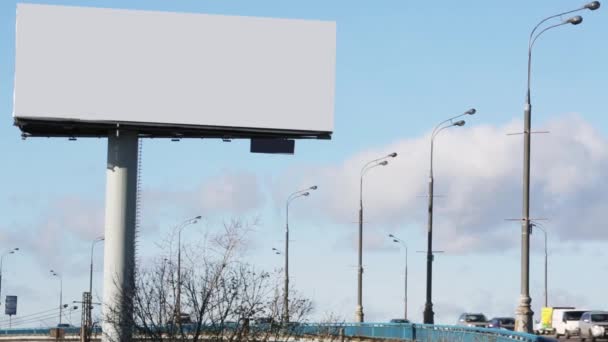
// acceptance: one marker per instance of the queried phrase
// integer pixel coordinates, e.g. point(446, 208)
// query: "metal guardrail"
point(394, 331)
point(42, 331)
point(419, 332)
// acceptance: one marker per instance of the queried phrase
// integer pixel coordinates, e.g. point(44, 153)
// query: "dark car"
point(477, 320)
point(400, 320)
point(502, 323)
point(264, 320)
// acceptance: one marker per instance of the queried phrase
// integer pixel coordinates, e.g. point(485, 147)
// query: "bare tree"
point(222, 297)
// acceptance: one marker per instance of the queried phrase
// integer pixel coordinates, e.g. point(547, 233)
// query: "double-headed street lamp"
point(428, 316)
point(359, 316)
point(293, 196)
point(180, 227)
point(55, 274)
point(523, 314)
point(12, 251)
point(398, 240)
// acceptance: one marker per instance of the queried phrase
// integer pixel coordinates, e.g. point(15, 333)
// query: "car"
point(63, 325)
point(400, 320)
point(264, 320)
point(507, 323)
point(593, 324)
point(477, 320)
point(568, 324)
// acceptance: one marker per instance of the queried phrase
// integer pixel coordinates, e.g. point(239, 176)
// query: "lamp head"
point(471, 111)
point(306, 193)
point(395, 240)
point(11, 252)
point(16, 249)
point(391, 235)
point(383, 163)
point(314, 187)
point(459, 123)
point(575, 20)
point(593, 5)
point(393, 155)
point(198, 217)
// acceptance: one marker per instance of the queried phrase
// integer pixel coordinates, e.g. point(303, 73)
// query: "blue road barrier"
point(393, 331)
point(419, 332)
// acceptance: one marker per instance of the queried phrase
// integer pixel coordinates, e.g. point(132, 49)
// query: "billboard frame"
point(99, 129)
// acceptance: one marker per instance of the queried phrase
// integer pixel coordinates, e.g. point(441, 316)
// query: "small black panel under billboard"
point(273, 146)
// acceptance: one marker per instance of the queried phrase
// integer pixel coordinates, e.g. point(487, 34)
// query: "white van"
point(566, 322)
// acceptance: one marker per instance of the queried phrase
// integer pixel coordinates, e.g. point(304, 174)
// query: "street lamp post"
point(55, 274)
point(359, 316)
point(398, 240)
point(89, 305)
point(537, 225)
point(523, 314)
point(178, 298)
point(99, 239)
point(293, 196)
point(12, 251)
point(428, 316)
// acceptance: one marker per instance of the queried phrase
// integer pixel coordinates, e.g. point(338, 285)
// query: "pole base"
point(359, 314)
point(523, 315)
point(428, 315)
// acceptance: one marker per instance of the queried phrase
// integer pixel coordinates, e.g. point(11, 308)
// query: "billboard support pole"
point(119, 249)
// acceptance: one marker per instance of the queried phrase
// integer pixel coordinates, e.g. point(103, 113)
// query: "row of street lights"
point(60, 277)
point(55, 274)
point(524, 314)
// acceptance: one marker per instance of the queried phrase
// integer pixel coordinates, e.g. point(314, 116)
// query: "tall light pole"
point(55, 274)
point(178, 298)
point(89, 305)
point(359, 316)
point(523, 314)
point(537, 225)
point(12, 251)
point(293, 196)
point(398, 240)
point(428, 316)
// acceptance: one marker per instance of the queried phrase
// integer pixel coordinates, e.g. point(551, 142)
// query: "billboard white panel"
point(193, 71)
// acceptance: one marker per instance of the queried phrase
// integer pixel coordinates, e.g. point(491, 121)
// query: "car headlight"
point(597, 329)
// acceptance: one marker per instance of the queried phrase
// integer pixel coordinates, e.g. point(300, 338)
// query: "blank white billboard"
point(82, 68)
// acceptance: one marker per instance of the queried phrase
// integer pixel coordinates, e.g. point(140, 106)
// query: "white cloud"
point(67, 224)
point(478, 174)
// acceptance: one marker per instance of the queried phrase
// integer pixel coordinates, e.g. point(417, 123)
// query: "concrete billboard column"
point(119, 249)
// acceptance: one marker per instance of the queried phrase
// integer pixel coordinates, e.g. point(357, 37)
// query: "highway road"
point(572, 339)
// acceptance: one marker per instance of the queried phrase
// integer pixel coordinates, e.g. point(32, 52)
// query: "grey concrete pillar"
point(119, 249)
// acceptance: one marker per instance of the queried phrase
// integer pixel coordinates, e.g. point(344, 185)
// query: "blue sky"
point(402, 67)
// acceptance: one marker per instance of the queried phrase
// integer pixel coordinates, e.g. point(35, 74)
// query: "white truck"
point(561, 321)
